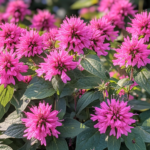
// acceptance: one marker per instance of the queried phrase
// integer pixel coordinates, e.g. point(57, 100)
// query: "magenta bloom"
point(132, 53)
point(116, 20)
point(114, 114)
point(49, 38)
point(2, 1)
point(9, 36)
point(10, 68)
point(105, 5)
point(57, 63)
point(141, 26)
point(27, 79)
point(97, 42)
point(41, 122)
point(3, 18)
point(44, 20)
point(106, 28)
point(17, 9)
point(74, 35)
point(30, 44)
point(123, 8)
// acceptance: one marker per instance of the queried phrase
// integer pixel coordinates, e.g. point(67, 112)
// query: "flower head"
point(9, 36)
point(105, 27)
point(30, 44)
point(3, 18)
point(74, 35)
point(17, 9)
point(97, 42)
point(10, 68)
point(57, 63)
point(27, 79)
point(114, 114)
point(49, 38)
point(123, 8)
point(141, 26)
point(44, 20)
point(105, 5)
point(41, 122)
point(132, 53)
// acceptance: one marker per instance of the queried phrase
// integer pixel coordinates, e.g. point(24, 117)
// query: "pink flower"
point(17, 9)
point(132, 53)
point(97, 42)
point(10, 68)
point(123, 8)
point(3, 19)
point(83, 11)
point(49, 38)
point(81, 92)
point(116, 20)
point(57, 63)
point(114, 74)
point(41, 122)
point(122, 92)
point(105, 5)
point(141, 26)
point(9, 36)
point(105, 28)
point(30, 44)
point(27, 79)
point(2, 1)
point(114, 114)
point(79, 66)
point(74, 35)
point(44, 20)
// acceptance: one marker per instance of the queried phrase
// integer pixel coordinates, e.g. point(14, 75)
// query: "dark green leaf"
point(29, 72)
point(124, 82)
point(3, 110)
point(61, 107)
point(134, 142)
point(15, 131)
point(38, 89)
point(139, 105)
point(92, 64)
point(57, 144)
point(142, 78)
point(114, 143)
point(91, 139)
point(86, 99)
point(6, 94)
point(71, 128)
point(144, 116)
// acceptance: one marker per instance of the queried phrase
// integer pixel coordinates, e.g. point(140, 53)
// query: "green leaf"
point(5, 147)
point(144, 132)
point(144, 116)
point(19, 104)
point(15, 131)
point(6, 94)
point(29, 72)
point(71, 128)
point(91, 139)
point(124, 82)
point(86, 99)
point(61, 107)
point(134, 142)
point(57, 84)
point(57, 144)
point(38, 89)
point(139, 105)
point(83, 3)
point(3, 110)
point(142, 78)
point(114, 143)
point(92, 64)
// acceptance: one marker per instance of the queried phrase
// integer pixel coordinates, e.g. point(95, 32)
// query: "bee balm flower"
point(41, 122)
point(115, 115)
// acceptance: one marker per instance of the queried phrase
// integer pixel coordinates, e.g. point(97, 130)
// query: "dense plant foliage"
point(84, 85)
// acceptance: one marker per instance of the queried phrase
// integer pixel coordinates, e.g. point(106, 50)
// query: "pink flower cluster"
point(132, 53)
point(30, 44)
point(57, 63)
point(41, 122)
point(140, 26)
point(113, 114)
point(10, 68)
point(27, 79)
point(43, 20)
point(49, 38)
point(17, 10)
